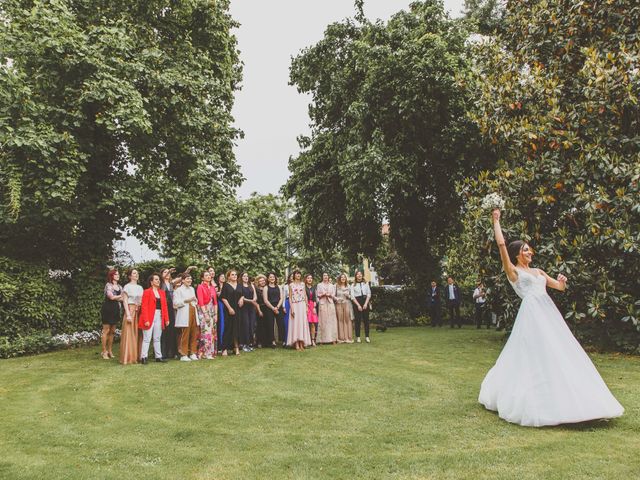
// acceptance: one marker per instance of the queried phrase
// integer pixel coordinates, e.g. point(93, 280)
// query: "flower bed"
point(41, 342)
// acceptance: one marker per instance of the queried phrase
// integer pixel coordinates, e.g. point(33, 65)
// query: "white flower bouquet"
point(492, 201)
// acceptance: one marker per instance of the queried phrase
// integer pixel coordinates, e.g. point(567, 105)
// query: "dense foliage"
point(390, 266)
point(35, 299)
point(113, 114)
point(559, 99)
point(390, 135)
point(485, 16)
point(30, 300)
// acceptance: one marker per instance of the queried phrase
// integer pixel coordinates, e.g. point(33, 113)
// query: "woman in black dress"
point(247, 313)
point(260, 284)
point(111, 312)
point(231, 295)
point(169, 339)
point(272, 297)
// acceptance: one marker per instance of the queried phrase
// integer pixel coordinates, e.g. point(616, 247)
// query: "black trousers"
point(436, 315)
point(247, 316)
point(282, 331)
point(454, 308)
point(267, 321)
point(169, 337)
point(231, 330)
point(482, 315)
point(361, 316)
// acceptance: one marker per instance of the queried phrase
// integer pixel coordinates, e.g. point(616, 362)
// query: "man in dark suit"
point(434, 304)
point(452, 294)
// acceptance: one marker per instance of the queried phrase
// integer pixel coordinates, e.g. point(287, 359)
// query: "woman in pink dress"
point(312, 305)
point(298, 331)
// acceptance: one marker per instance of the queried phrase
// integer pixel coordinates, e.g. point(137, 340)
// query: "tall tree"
point(112, 113)
point(559, 96)
point(390, 135)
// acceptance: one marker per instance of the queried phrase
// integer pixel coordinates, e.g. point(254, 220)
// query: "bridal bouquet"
point(492, 201)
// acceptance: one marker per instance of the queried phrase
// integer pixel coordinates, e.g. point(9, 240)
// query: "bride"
point(543, 376)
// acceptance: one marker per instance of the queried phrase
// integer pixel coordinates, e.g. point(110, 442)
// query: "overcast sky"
point(271, 112)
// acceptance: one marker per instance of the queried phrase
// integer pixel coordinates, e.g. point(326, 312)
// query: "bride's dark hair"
point(514, 250)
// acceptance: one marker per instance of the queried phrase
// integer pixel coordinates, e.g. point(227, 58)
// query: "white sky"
point(270, 112)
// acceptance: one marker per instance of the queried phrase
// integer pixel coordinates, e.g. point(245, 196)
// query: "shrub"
point(27, 345)
point(30, 301)
point(43, 342)
point(397, 308)
point(85, 294)
point(407, 307)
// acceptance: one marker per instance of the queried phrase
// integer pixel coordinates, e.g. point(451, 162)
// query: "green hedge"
point(30, 301)
point(408, 307)
point(26, 345)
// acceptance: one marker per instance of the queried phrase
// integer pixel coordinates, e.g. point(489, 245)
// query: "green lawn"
point(404, 406)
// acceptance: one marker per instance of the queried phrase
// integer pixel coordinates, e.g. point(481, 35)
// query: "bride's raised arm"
point(508, 267)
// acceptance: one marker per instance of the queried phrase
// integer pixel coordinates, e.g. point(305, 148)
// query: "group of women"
point(229, 313)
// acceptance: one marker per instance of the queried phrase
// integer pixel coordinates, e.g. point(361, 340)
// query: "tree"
point(112, 114)
point(487, 16)
point(390, 266)
point(558, 96)
point(256, 242)
point(390, 135)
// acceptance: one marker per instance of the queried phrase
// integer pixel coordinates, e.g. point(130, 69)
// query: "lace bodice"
point(529, 284)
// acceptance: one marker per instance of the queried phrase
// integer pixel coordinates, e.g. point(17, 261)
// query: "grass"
point(404, 406)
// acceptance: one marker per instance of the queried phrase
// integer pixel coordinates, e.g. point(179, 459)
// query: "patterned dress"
point(208, 340)
point(298, 330)
point(111, 311)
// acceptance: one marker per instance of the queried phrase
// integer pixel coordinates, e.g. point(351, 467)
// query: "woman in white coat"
point(185, 303)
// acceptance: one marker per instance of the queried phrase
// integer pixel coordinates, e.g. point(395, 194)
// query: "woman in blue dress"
point(287, 309)
point(219, 284)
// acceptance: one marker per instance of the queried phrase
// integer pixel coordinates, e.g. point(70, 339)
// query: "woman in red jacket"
point(154, 317)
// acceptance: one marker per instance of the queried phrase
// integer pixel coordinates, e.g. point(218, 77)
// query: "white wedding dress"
point(543, 376)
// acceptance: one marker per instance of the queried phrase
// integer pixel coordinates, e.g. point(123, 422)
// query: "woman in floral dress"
point(111, 312)
point(208, 311)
